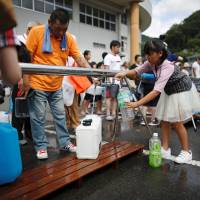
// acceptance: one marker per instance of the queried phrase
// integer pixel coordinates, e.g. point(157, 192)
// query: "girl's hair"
point(156, 45)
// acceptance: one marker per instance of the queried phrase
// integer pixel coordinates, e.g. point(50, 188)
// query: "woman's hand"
point(132, 104)
point(120, 75)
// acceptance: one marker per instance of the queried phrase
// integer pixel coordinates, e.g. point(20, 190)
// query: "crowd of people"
point(73, 96)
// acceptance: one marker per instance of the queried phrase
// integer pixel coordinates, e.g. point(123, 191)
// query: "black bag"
point(21, 107)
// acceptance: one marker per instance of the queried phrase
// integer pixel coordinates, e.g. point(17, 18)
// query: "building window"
point(45, 6)
point(95, 22)
point(59, 2)
point(89, 20)
point(39, 5)
point(99, 45)
point(88, 10)
point(107, 25)
point(97, 17)
point(17, 2)
point(64, 3)
point(68, 4)
point(112, 18)
point(101, 14)
point(124, 18)
point(82, 18)
point(95, 12)
point(49, 7)
point(112, 27)
point(82, 8)
point(108, 16)
point(123, 44)
point(27, 4)
point(101, 24)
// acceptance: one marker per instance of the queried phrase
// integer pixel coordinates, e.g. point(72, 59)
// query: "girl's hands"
point(132, 104)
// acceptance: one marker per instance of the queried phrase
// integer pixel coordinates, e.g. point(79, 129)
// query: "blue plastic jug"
point(148, 76)
point(10, 156)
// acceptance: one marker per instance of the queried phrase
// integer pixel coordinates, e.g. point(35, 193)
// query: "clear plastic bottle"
point(155, 157)
point(122, 97)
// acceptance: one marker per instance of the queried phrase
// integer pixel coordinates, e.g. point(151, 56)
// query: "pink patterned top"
point(163, 73)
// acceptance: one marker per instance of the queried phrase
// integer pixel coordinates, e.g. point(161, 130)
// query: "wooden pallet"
point(47, 178)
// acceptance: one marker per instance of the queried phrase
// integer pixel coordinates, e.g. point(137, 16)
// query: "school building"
point(94, 23)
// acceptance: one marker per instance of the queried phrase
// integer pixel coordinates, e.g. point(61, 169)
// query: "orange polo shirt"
point(58, 57)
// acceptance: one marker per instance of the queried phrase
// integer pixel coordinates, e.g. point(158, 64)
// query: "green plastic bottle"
point(155, 157)
point(122, 97)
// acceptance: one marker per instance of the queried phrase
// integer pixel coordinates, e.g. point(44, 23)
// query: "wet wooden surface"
point(44, 179)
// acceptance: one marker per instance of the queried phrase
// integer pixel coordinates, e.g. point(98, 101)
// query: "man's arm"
point(82, 62)
point(75, 52)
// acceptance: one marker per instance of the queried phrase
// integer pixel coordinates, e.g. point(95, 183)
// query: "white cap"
point(155, 134)
point(180, 58)
point(186, 65)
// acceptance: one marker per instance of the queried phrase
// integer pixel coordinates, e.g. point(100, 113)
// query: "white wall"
point(25, 15)
point(85, 34)
point(88, 35)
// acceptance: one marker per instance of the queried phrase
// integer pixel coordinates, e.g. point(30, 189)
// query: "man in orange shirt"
point(51, 45)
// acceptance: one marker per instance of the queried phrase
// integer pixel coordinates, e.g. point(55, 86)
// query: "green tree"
point(184, 38)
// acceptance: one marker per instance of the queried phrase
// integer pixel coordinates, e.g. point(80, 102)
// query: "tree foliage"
point(184, 38)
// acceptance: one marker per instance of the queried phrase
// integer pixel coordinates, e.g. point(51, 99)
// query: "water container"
point(10, 157)
point(89, 137)
point(155, 157)
point(125, 96)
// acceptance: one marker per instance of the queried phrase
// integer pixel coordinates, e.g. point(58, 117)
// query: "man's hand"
point(120, 75)
point(25, 87)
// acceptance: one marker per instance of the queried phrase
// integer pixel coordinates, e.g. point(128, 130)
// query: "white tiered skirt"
point(178, 107)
